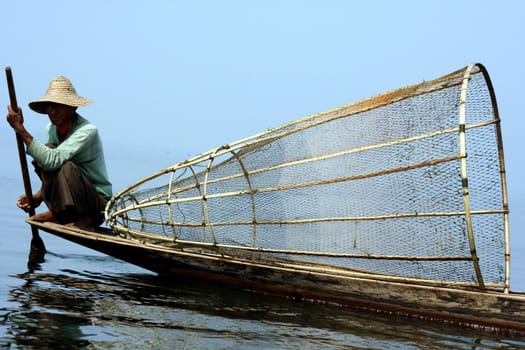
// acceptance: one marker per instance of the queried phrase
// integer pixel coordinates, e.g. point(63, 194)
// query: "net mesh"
point(374, 187)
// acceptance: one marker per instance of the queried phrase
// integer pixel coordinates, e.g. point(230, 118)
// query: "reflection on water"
point(72, 308)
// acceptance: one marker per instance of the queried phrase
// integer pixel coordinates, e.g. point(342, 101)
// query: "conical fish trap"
point(404, 186)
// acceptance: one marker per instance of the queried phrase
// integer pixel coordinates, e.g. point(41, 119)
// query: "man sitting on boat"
point(71, 165)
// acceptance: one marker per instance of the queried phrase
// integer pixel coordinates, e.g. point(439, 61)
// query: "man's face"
point(59, 114)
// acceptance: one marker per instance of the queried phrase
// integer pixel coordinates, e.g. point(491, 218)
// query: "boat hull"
point(488, 310)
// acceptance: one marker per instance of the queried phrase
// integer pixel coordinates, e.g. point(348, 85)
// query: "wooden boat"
point(376, 204)
point(490, 311)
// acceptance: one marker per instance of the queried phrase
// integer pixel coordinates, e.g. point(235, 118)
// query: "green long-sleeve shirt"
point(82, 146)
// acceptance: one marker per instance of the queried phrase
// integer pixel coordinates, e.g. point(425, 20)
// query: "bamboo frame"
point(201, 166)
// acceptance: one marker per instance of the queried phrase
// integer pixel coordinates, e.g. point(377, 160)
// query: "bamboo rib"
point(297, 252)
point(206, 221)
point(288, 187)
point(323, 219)
point(464, 174)
point(252, 198)
point(504, 195)
point(308, 160)
point(355, 108)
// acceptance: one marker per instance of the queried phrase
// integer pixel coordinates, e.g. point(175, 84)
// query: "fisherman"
point(71, 165)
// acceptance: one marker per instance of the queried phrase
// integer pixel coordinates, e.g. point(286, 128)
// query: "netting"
point(407, 185)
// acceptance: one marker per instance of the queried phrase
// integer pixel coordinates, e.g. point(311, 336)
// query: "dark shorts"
point(69, 194)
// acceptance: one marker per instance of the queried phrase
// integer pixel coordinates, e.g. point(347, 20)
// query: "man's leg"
point(72, 198)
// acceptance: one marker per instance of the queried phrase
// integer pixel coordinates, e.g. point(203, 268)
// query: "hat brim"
point(39, 105)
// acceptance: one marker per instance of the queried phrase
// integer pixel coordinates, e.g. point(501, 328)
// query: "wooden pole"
point(36, 242)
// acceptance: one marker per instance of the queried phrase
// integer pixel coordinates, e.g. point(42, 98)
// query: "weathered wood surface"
point(494, 311)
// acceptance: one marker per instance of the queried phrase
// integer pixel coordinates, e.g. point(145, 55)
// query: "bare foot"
point(83, 224)
point(45, 216)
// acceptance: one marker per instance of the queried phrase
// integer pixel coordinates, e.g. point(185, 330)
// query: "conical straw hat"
point(60, 91)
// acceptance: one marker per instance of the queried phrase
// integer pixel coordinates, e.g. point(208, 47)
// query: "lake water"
point(80, 299)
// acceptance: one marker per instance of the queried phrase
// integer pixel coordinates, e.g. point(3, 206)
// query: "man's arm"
point(16, 121)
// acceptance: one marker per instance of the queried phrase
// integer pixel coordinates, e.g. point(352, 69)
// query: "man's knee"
point(69, 168)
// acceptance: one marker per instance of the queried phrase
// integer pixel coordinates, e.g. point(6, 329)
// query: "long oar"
point(36, 242)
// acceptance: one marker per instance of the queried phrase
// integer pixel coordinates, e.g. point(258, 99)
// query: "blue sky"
point(171, 79)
